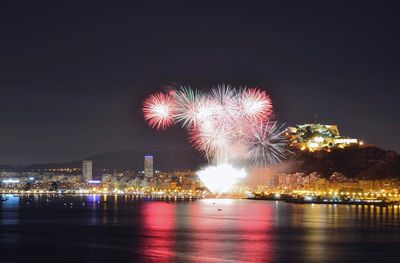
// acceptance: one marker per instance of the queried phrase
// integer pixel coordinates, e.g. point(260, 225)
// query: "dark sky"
point(73, 74)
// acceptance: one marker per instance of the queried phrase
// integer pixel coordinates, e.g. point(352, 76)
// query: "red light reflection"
point(226, 230)
point(159, 235)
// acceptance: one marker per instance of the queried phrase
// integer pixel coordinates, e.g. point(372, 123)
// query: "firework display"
point(227, 125)
point(267, 145)
point(159, 110)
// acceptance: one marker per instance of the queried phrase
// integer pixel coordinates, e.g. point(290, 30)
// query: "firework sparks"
point(192, 107)
point(227, 125)
point(159, 110)
point(267, 144)
point(255, 104)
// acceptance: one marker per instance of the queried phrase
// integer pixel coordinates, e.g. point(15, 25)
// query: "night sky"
point(73, 75)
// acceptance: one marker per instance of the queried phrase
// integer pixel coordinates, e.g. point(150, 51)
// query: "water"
point(128, 229)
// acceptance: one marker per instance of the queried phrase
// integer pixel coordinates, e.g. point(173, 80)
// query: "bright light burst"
point(159, 110)
point(221, 178)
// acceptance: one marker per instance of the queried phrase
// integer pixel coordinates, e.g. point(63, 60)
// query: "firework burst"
point(159, 110)
point(267, 144)
point(192, 107)
point(255, 104)
point(227, 125)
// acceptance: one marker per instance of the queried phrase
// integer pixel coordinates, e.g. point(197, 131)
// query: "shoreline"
point(367, 203)
point(375, 202)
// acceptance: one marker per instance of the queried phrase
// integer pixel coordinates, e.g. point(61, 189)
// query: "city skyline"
point(74, 79)
point(192, 159)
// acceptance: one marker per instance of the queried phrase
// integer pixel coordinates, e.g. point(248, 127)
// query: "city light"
point(94, 182)
point(10, 181)
point(314, 137)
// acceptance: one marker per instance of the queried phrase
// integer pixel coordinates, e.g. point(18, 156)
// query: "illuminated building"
point(10, 182)
point(148, 166)
point(314, 137)
point(87, 170)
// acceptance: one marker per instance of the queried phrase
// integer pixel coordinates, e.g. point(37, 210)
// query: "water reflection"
point(158, 231)
point(127, 228)
point(10, 209)
point(207, 231)
point(256, 243)
point(9, 218)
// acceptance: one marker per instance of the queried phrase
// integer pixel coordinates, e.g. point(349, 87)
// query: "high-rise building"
point(148, 166)
point(87, 170)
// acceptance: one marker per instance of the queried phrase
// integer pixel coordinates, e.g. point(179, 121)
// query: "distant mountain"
point(132, 160)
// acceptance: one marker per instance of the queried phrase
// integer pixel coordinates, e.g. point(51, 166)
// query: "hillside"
point(353, 162)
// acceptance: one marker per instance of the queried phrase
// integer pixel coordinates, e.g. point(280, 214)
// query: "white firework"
point(267, 145)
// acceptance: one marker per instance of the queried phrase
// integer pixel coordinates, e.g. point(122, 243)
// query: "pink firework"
point(159, 110)
point(211, 138)
point(255, 104)
point(221, 123)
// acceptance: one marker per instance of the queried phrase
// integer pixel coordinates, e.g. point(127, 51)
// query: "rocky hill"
point(354, 162)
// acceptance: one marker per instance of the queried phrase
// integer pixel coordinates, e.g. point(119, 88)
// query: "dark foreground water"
point(125, 229)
